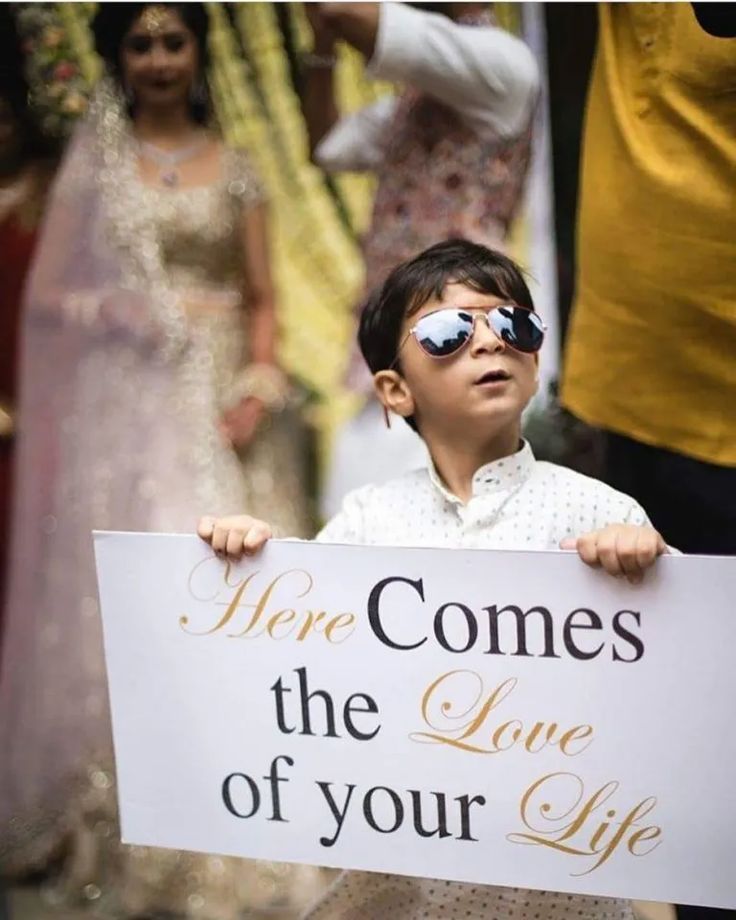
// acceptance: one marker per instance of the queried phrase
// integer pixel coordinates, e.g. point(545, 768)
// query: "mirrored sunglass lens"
point(521, 329)
point(444, 332)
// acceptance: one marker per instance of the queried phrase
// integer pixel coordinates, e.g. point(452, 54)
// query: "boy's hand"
point(234, 536)
point(621, 549)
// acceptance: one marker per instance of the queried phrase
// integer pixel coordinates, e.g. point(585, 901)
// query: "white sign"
point(512, 718)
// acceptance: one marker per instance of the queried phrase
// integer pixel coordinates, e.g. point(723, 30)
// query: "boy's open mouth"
point(493, 377)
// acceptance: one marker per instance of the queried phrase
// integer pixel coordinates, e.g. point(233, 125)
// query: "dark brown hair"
point(411, 284)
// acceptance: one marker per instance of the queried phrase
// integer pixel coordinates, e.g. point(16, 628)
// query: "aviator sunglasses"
point(444, 332)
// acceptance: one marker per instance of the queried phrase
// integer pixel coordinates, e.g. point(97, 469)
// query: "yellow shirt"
point(652, 344)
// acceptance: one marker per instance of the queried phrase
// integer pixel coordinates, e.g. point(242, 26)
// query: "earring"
point(386, 417)
point(198, 94)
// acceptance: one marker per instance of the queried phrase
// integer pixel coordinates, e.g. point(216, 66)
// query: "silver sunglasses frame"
point(479, 311)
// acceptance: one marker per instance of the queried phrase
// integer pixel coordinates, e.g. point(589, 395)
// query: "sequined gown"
point(133, 333)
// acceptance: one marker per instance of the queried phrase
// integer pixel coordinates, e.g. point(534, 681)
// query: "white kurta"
point(517, 503)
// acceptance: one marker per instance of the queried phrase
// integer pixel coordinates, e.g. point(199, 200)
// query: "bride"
point(149, 387)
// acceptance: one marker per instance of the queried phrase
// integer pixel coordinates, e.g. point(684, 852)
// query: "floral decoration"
point(59, 89)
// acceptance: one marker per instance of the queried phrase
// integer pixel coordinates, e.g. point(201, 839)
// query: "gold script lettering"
point(456, 707)
point(230, 610)
point(281, 616)
point(343, 621)
point(558, 814)
point(262, 619)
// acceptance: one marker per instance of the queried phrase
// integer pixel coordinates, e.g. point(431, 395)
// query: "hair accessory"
point(153, 18)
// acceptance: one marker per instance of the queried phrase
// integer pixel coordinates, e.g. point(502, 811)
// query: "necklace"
point(169, 160)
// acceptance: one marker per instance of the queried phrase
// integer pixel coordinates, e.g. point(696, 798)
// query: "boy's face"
point(460, 393)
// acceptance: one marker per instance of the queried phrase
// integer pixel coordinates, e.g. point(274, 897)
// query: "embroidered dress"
point(133, 333)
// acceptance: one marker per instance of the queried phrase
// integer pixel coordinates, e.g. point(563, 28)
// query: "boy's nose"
point(484, 338)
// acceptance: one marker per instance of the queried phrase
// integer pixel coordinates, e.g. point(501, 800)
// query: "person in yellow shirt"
point(651, 350)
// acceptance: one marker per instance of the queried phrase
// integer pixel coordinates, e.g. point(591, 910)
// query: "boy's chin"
point(488, 423)
point(501, 409)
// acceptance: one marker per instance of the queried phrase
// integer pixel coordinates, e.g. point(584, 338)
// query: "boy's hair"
point(411, 284)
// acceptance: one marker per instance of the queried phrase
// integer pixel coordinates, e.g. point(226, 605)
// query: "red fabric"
point(16, 249)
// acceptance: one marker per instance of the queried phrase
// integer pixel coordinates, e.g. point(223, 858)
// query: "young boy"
point(452, 340)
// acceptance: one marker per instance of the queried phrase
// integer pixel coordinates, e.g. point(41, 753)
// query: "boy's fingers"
point(258, 534)
point(587, 547)
point(234, 544)
point(627, 550)
point(219, 538)
point(647, 549)
point(205, 527)
point(619, 549)
point(608, 552)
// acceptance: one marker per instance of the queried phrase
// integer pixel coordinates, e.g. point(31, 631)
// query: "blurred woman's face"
point(159, 58)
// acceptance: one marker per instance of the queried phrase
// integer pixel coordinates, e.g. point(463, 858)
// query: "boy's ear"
point(393, 393)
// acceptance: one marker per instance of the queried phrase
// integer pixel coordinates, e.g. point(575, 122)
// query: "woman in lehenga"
point(150, 291)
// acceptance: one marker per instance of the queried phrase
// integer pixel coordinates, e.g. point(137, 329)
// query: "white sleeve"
point(356, 143)
point(488, 76)
point(348, 525)
point(637, 515)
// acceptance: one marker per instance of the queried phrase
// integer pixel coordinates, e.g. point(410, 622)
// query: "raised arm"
point(318, 86)
point(487, 75)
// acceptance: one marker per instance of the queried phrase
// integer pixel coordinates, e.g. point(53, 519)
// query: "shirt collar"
point(497, 476)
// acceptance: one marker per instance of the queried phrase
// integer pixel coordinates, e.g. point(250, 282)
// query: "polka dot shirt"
point(517, 503)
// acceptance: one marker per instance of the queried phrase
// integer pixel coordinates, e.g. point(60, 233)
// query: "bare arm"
point(238, 425)
point(356, 23)
point(260, 298)
point(317, 90)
